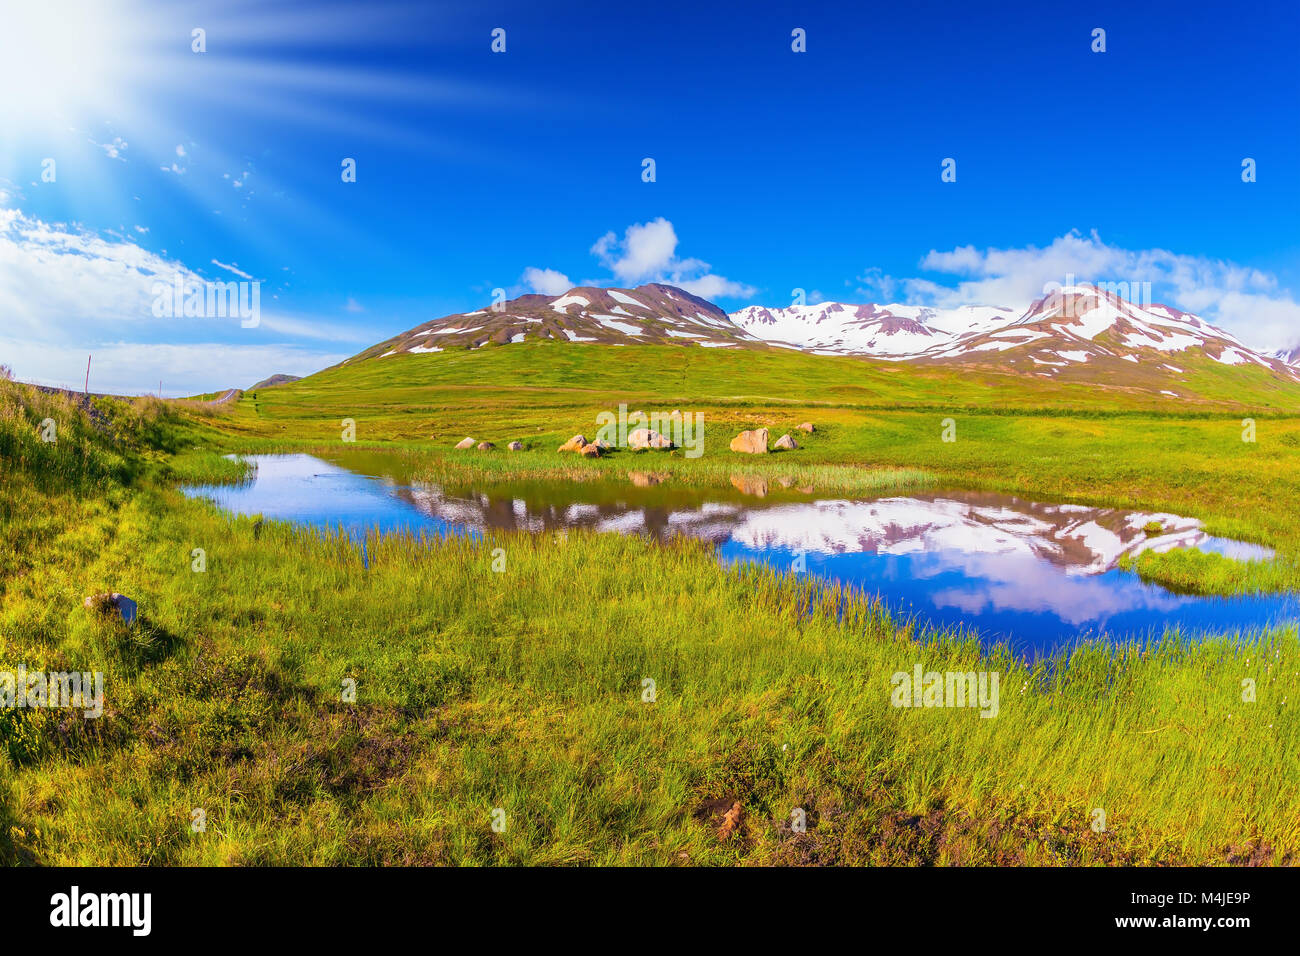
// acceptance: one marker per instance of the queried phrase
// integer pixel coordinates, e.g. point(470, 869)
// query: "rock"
point(786, 443)
point(731, 820)
point(465, 443)
point(751, 442)
point(750, 485)
point(486, 446)
point(808, 427)
point(516, 446)
point(590, 450)
point(647, 438)
point(576, 443)
point(112, 603)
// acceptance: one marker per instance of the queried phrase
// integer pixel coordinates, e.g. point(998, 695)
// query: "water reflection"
point(1038, 574)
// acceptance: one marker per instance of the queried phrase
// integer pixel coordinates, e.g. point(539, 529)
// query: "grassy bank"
point(522, 689)
point(1198, 467)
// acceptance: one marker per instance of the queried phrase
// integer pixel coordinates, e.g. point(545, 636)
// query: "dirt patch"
point(892, 837)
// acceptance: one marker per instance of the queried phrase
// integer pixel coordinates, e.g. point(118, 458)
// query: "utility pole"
point(87, 389)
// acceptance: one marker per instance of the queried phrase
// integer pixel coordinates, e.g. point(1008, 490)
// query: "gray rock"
point(786, 443)
point(466, 443)
point(113, 603)
point(516, 446)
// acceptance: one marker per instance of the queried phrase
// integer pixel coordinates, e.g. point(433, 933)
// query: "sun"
point(62, 62)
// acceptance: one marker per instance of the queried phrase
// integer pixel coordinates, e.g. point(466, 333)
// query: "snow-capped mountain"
point(881, 331)
point(1291, 356)
point(647, 315)
point(1077, 333)
point(1076, 326)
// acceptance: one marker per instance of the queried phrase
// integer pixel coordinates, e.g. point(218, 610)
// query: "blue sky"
point(775, 170)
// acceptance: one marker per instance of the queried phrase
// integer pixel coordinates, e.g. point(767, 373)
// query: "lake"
point(1036, 574)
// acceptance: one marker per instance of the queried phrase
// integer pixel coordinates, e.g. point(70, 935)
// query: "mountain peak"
point(653, 313)
point(1078, 332)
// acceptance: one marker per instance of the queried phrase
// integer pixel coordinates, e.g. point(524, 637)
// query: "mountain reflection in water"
point(1037, 574)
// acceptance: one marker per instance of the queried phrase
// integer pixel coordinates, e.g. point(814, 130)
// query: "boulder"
point(576, 443)
point(751, 442)
point(590, 450)
point(466, 443)
point(486, 446)
point(808, 427)
point(112, 603)
point(647, 438)
point(786, 443)
point(516, 446)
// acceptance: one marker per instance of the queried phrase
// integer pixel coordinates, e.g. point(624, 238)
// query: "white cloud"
point(546, 281)
point(180, 151)
point(133, 368)
point(712, 287)
point(352, 305)
point(66, 291)
point(115, 149)
point(1241, 299)
point(233, 268)
point(648, 253)
point(53, 279)
point(646, 249)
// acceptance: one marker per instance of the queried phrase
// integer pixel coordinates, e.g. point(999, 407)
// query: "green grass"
point(1189, 571)
point(522, 690)
point(1049, 440)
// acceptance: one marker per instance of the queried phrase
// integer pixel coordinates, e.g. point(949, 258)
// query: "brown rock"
point(730, 821)
point(466, 443)
point(751, 442)
point(486, 446)
point(786, 443)
point(590, 450)
point(516, 446)
point(808, 427)
point(576, 443)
